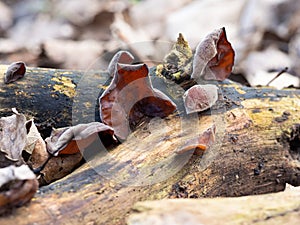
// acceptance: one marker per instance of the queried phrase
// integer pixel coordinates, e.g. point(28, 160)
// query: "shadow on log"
point(256, 150)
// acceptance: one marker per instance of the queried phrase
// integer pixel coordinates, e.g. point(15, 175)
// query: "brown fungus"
point(120, 57)
point(130, 97)
point(200, 143)
point(214, 57)
point(14, 72)
point(200, 97)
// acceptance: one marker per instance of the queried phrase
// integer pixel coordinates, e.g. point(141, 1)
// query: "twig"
point(278, 75)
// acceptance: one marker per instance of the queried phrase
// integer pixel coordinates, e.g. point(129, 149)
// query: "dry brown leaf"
point(260, 67)
point(35, 147)
point(17, 186)
point(80, 13)
point(214, 57)
point(65, 52)
point(60, 154)
point(33, 137)
point(12, 138)
point(58, 167)
point(62, 140)
point(6, 17)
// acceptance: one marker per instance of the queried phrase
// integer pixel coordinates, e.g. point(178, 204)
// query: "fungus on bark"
point(214, 57)
point(14, 72)
point(130, 97)
point(200, 143)
point(200, 97)
point(120, 57)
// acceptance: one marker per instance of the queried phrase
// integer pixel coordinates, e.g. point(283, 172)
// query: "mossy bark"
point(256, 150)
point(48, 95)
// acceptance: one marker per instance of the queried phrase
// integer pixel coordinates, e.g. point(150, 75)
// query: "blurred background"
point(71, 34)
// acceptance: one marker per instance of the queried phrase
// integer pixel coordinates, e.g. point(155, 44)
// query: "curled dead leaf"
point(17, 186)
point(129, 97)
point(35, 147)
point(14, 72)
point(60, 154)
point(200, 97)
point(200, 143)
point(69, 140)
point(214, 57)
point(33, 137)
point(58, 167)
point(12, 138)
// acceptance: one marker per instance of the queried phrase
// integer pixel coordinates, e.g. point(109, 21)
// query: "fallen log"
point(48, 95)
point(256, 150)
point(276, 208)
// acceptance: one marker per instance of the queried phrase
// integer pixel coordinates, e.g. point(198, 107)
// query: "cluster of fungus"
point(128, 99)
point(131, 96)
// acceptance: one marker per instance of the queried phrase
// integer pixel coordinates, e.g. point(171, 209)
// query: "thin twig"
point(278, 75)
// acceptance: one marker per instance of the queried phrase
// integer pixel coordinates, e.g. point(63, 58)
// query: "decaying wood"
point(277, 208)
point(48, 94)
point(256, 151)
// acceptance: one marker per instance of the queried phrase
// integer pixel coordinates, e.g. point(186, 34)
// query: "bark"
point(48, 95)
point(256, 150)
point(277, 208)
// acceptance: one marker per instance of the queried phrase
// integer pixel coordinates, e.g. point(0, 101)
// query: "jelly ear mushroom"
point(200, 143)
point(130, 97)
point(124, 57)
point(200, 97)
point(14, 72)
point(214, 57)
